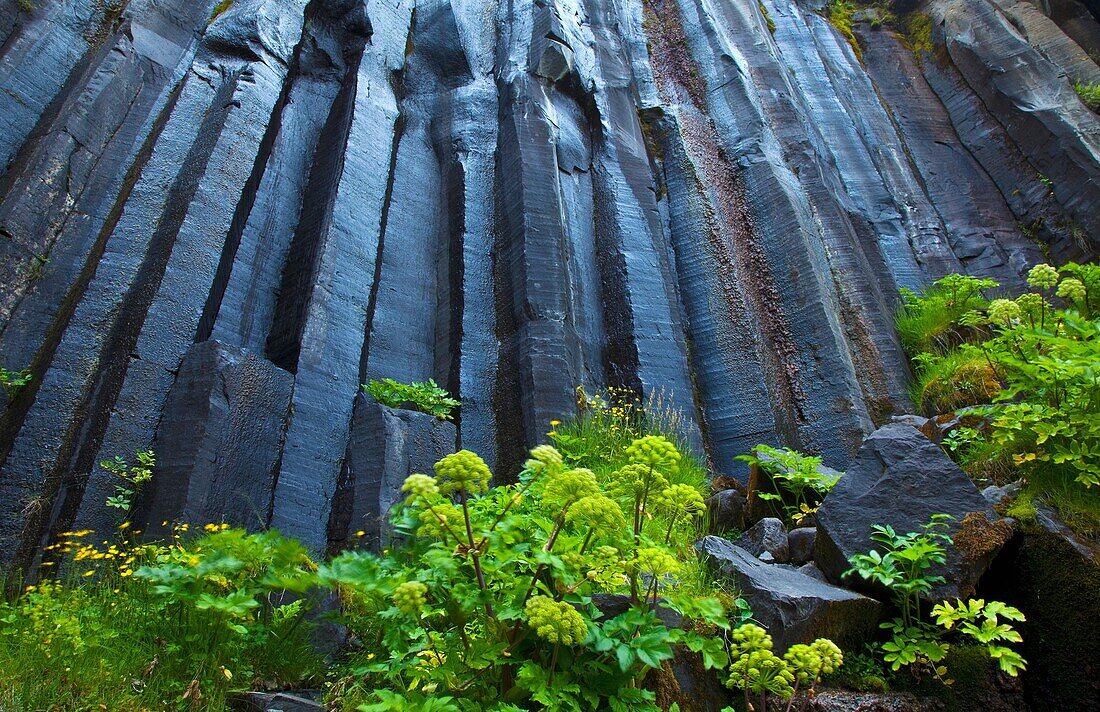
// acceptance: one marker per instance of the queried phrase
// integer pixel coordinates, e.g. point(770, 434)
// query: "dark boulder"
point(1053, 576)
point(727, 511)
point(801, 543)
point(794, 608)
point(843, 701)
point(901, 478)
point(767, 537)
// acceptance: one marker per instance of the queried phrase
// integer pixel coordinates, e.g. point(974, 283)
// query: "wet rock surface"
point(512, 198)
point(767, 537)
point(900, 478)
point(793, 607)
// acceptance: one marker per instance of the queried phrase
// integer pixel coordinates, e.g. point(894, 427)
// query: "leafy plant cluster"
point(1032, 358)
point(799, 481)
point(424, 396)
point(916, 644)
point(129, 477)
point(129, 626)
point(490, 603)
point(13, 381)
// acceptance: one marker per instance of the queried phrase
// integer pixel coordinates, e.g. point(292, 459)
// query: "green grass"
point(959, 379)
point(1089, 93)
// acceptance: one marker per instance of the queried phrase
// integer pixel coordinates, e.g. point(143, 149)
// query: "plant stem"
point(474, 554)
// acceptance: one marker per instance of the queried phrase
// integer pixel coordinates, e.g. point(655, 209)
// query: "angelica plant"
point(488, 598)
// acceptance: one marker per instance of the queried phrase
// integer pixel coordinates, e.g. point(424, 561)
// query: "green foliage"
point(25, 5)
point(1034, 358)
point(220, 8)
point(800, 484)
point(424, 396)
point(13, 381)
point(903, 568)
point(840, 13)
point(981, 622)
point(1089, 93)
point(916, 27)
point(935, 322)
point(157, 626)
point(767, 18)
point(484, 575)
point(130, 478)
point(914, 643)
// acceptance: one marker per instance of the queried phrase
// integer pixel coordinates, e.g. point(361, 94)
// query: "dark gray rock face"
point(512, 198)
point(386, 445)
point(793, 607)
point(218, 442)
point(901, 478)
point(801, 542)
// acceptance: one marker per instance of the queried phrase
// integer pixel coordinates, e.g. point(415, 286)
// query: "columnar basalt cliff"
point(218, 219)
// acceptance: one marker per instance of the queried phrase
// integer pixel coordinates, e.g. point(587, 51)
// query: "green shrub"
point(936, 321)
point(424, 396)
point(915, 643)
point(13, 381)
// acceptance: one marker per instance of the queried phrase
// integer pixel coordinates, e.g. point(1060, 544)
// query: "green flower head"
point(565, 488)
point(749, 637)
point(654, 451)
point(1042, 276)
point(420, 486)
point(410, 596)
point(544, 458)
point(441, 520)
point(597, 512)
point(1003, 311)
point(1031, 304)
point(1072, 290)
point(631, 481)
point(657, 562)
point(760, 672)
point(681, 499)
point(831, 657)
point(463, 471)
point(556, 622)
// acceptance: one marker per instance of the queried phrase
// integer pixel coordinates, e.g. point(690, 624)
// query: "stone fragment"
point(793, 607)
point(801, 543)
point(900, 478)
point(727, 511)
point(556, 61)
point(768, 536)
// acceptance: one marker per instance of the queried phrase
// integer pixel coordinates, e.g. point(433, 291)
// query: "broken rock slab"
point(793, 607)
point(385, 447)
point(901, 478)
